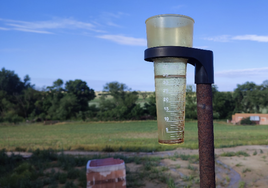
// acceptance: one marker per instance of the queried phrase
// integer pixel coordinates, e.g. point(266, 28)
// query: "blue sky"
point(104, 41)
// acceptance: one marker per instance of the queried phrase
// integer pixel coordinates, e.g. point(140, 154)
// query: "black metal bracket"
point(201, 59)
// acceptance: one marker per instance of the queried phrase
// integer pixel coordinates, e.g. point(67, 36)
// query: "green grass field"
point(119, 136)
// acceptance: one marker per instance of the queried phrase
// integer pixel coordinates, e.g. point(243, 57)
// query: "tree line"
point(246, 98)
point(20, 101)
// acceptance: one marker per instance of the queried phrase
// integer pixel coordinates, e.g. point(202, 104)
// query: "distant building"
point(261, 119)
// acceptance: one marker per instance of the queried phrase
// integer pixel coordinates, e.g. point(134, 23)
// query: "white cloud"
point(221, 38)
point(243, 72)
point(201, 47)
point(121, 39)
point(113, 24)
point(257, 38)
point(2, 28)
point(178, 7)
point(109, 18)
point(110, 15)
point(45, 27)
point(229, 38)
point(32, 31)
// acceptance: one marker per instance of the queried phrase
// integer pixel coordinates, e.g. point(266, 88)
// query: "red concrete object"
point(237, 117)
point(106, 173)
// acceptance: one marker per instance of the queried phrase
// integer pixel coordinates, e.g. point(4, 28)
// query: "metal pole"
point(205, 136)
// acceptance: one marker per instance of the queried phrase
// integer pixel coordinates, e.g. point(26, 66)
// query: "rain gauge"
point(169, 41)
point(170, 74)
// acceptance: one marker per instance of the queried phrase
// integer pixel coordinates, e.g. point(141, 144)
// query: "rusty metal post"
point(205, 136)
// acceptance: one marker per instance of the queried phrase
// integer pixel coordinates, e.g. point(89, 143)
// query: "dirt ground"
point(232, 172)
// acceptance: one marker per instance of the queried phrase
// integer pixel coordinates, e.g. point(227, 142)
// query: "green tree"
point(251, 98)
point(263, 99)
point(57, 86)
point(10, 82)
point(122, 94)
point(19, 99)
point(144, 95)
point(122, 105)
point(223, 105)
point(8, 109)
point(245, 98)
point(66, 103)
point(68, 107)
point(150, 106)
point(11, 92)
point(191, 103)
point(51, 104)
point(27, 83)
point(81, 91)
point(5, 104)
point(27, 101)
point(265, 84)
point(51, 101)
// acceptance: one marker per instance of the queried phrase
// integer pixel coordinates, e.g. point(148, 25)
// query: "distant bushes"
point(20, 101)
point(247, 121)
point(123, 104)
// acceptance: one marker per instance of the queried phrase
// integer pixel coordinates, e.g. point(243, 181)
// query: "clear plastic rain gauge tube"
point(170, 82)
point(170, 74)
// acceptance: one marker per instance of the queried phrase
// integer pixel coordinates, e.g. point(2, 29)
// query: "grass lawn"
point(116, 136)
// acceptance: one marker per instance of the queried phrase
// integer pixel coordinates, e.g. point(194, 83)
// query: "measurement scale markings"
point(172, 121)
point(173, 131)
point(173, 84)
point(176, 121)
point(170, 76)
point(173, 114)
point(174, 101)
point(173, 93)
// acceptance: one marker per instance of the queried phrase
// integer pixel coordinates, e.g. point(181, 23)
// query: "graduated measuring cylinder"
point(170, 73)
point(170, 88)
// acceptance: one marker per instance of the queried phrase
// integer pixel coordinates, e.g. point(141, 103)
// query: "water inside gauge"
point(170, 88)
